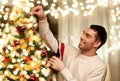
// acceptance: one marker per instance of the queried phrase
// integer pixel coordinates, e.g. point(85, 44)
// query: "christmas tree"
point(24, 56)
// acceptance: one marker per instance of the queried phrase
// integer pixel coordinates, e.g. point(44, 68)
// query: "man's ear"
point(97, 43)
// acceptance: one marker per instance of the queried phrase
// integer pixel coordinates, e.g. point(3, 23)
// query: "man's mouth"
point(82, 42)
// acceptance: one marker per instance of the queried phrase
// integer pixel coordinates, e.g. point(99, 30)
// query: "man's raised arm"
point(44, 30)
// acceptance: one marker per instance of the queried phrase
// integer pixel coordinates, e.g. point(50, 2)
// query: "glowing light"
point(2, 6)
point(45, 71)
point(81, 4)
point(82, 8)
point(103, 2)
point(54, 10)
point(4, 1)
point(13, 54)
point(13, 60)
point(0, 16)
point(25, 52)
point(115, 2)
point(76, 12)
point(54, 1)
point(34, 71)
point(38, 2)
point(43, 62)
point(26, 9)
point(15, 72)
point(0, 66)
point(22, 65)
point(24, 72)
point(1, 56)
point(6, 9)
point(114, 19)
point(10, 66)
point(2, 24)
point(6, 72)
point(32, 64)
point(65, 2)
point(18, 60)
point(85, 13)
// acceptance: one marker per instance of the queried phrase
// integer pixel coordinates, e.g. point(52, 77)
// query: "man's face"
point(87, 40)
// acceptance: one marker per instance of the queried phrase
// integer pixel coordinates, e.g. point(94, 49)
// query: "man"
point(74, 64)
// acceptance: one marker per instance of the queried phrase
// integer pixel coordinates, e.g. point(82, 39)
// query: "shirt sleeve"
point(67, 75)
point(47, 35)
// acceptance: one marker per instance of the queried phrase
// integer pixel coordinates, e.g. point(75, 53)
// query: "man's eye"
point(88, 36)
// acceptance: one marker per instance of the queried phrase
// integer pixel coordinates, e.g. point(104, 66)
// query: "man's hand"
point(38, 11)
point(56, 63)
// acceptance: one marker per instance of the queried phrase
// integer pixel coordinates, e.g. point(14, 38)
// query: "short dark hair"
point(101, 33)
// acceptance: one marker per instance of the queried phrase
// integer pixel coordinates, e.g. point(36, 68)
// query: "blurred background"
point(68, 18)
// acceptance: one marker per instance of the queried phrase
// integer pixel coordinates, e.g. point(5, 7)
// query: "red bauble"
point(21, 29)
point(14, 69)
point(27, 59)
point(6, 60)
point(4, 49)
point(27, 39)
point(43, 53)
point(0, 36)
point(33, 78)
point(16, 42)
point(23, 76)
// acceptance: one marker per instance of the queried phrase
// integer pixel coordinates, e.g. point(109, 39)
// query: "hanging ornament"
point(0, 36)
point(17, 12)
point(43, 53)
point(28, 59)
point(11, 22)
point(16, 42)
point(27, 39)
point(6, 59)
point(22, 76)
point(21, 29)
point(19, 51)
point(5, 50)
point(33, 78)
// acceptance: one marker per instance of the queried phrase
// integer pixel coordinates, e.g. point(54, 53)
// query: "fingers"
point(36, 9)
point(53, 60)
point(52, 63)
point(56, 63)
point(54, 57)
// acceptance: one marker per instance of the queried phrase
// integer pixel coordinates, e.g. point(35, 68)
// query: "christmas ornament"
point(11, 22)
point(43, 53)
point(6, 59)
point(33, 78)
point(21, 29)
point(5, 50)
point(27, 39)
point(28, 59)
point(16, 42)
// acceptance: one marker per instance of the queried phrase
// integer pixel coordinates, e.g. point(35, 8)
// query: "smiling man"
point(74, 64)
